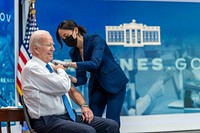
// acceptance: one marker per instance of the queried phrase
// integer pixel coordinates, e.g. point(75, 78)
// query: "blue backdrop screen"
point(157, 47)
point(7, 58)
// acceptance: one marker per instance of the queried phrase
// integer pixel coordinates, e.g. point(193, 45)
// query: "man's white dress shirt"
point(42, 90)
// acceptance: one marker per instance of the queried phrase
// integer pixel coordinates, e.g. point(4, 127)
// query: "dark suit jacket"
point(99, 61)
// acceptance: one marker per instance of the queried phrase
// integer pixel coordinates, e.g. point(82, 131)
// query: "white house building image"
point(133, 35)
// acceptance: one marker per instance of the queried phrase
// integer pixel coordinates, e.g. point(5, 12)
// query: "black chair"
point(27, 117)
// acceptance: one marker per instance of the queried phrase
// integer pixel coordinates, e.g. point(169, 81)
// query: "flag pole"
point(33, 11)
point(24, 54)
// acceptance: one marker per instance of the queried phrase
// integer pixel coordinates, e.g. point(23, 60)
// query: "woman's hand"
point(73, 79)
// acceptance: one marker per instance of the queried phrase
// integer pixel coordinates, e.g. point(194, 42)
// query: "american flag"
point(24, 54)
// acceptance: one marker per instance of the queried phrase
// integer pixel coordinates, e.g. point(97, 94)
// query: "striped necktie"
point(65, 100)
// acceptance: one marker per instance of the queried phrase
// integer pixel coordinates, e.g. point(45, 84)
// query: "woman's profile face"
point(69, 37)
point(64, 33)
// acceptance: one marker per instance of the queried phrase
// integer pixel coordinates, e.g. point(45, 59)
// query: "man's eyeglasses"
point(49, 44)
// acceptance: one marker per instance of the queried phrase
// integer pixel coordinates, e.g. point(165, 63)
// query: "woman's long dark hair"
point(68, 25)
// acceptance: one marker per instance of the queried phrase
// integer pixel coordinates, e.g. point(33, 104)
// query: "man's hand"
point(87, 114)
point(57, 67)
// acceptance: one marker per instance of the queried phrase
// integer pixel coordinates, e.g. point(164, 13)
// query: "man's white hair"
point(37, 38)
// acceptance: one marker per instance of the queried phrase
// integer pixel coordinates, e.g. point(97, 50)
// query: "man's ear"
point(36, 49)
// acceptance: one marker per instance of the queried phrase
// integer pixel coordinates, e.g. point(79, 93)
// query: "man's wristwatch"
point(84, 105)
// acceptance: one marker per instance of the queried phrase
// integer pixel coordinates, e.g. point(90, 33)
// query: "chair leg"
point(0, 128)
point(8, 127)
